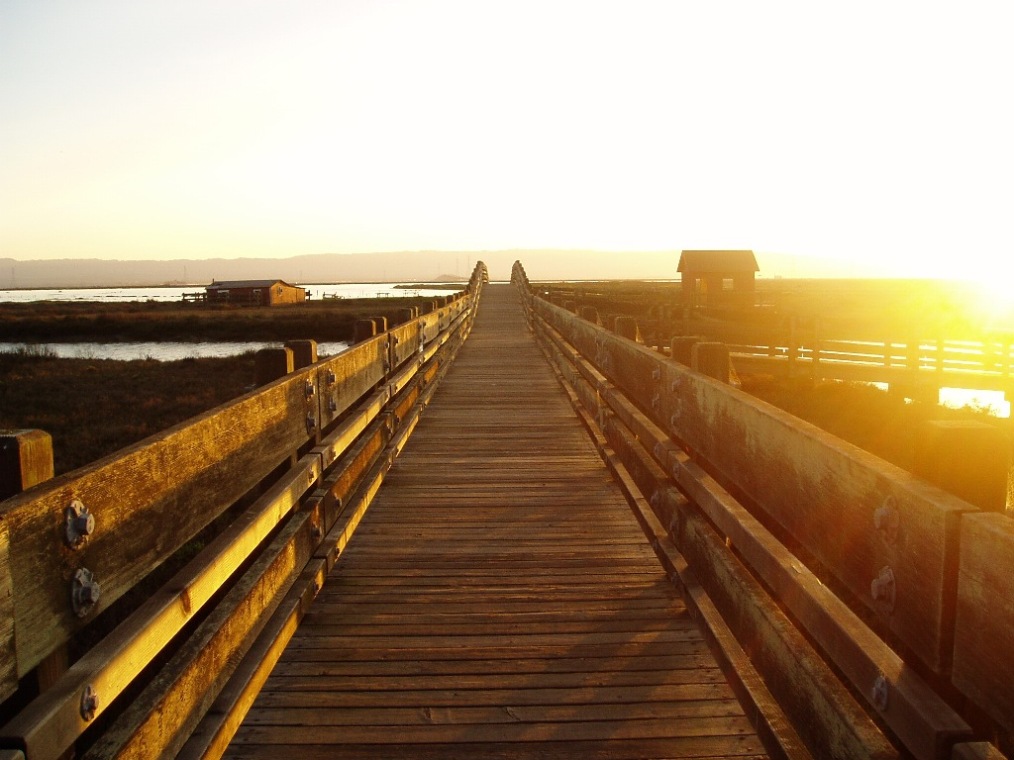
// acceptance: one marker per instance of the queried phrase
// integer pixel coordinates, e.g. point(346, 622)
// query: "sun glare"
point(992, 299)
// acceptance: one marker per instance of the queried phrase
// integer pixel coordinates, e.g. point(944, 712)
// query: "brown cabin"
point(255, 292)
point(718, 278)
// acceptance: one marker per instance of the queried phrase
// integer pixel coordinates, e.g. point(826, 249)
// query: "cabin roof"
point(237, 284)
point(718, 262)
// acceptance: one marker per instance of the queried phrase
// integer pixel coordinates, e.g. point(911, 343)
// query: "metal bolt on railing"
point(883, 588)
point(89, 703)
point(887, 520)
point(84, 592)
point(80, 524)
point(880, 694)
point(310, 389)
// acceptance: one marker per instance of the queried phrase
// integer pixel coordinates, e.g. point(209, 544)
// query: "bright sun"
point(991, 299)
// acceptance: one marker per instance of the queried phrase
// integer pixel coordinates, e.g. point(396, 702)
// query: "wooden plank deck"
point(499, 599)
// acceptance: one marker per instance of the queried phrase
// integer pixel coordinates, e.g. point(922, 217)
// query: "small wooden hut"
point(718, 278)
point(255, 292)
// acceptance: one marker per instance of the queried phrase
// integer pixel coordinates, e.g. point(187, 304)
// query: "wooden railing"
point(914, 361)
point(862, 607)
point(290, 466)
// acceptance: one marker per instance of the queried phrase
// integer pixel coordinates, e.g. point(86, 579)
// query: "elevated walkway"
point(499, 599)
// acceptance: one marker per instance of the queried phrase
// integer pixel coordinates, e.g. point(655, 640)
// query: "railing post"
point(815, 366)
point(591, 314)
point(304, 352)
point(969, 459)
point(271, 364)
point(26, 459)
point(627, 327)
point(364, 329)
point(711, 359)
point(681, 347)
point(793, 345)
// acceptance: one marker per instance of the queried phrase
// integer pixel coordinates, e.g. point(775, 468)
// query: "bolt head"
point(89, 703)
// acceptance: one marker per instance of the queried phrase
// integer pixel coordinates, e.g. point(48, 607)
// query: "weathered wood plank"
point(344, 379)
point(51, 723)
point(162, 718)
point(8, 661)
point(639, 749)
point(984, 639)
point(147, 501)
point(920, 718)
point(211, 738)
point(499, 568)
point(823, 492)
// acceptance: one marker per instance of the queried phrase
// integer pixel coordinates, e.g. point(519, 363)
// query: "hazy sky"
point(878, 131)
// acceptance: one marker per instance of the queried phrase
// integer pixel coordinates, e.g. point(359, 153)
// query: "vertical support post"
point(304, 352)
point(590, 313)
point(969, 459)
point(711, 359)
point(364, 329)
point(627, 328)
point(815, 368)
point(26, 459)
point(381, 323)
point(681, 348)
point(271, 364)
point(914, 356)
point(793, 344)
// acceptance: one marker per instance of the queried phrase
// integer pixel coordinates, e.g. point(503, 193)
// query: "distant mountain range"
point(413, 266)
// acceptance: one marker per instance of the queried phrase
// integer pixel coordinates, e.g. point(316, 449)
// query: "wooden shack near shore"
point(718, 278)
point(254, 292)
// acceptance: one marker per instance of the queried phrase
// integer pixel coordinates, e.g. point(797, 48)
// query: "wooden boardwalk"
point(499, 599)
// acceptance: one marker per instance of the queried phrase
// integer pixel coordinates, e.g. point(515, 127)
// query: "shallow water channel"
point(158, 350)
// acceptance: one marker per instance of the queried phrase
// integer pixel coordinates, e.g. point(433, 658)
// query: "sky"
point(874, 133)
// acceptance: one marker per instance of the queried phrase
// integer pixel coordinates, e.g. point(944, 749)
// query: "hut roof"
point(236, 284)
point(718, 262)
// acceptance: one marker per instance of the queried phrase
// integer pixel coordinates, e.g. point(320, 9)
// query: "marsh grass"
point(93, 407)
point(330, 320)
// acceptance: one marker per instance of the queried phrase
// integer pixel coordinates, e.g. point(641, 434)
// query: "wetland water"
point(172, 351)
point(317, 292)
point(165, 351)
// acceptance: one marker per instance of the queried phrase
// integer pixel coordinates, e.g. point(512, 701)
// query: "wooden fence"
point(293, 466)
point(862, 594)
point(917, 362)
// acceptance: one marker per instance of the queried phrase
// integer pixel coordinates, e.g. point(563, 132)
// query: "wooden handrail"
point(774, 486)
point(151, 498)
